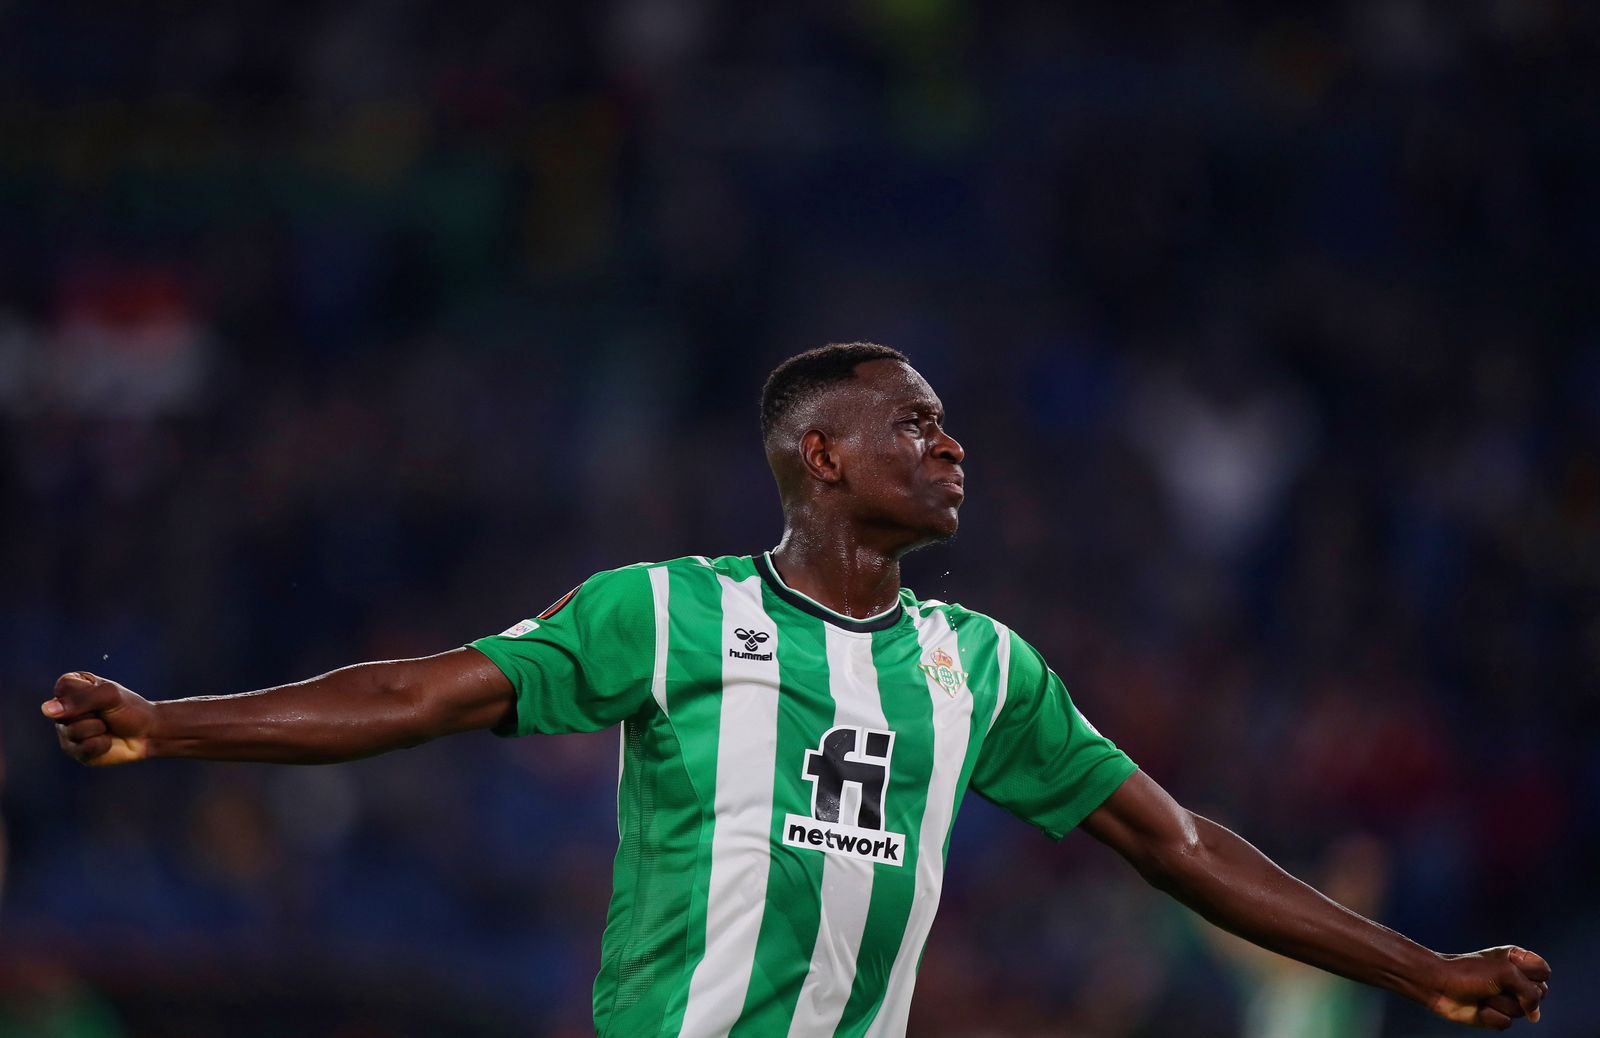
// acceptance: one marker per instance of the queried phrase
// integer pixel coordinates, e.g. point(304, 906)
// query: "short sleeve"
point(585, 663)
point(1043, 761)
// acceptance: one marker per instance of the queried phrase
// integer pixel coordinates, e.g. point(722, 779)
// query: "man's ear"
point(820, 456)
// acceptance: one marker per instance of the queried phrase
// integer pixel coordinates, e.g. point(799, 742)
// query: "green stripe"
point(794, 879)
point(694, 704)
point(903, 689)
point(737, 568)
point(643, 943)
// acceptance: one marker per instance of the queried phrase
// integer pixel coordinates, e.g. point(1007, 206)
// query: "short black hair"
point(799, 378)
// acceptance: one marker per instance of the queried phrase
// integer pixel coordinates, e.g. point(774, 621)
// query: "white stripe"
point(846, 882)
point(622, 757)
point(659, 583)
point(952, 720)
point(1003, 655)
point(741, 843)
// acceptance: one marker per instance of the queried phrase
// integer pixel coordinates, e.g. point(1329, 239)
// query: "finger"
point(89, 749)
point(1529, 963)
point(78, 694)
point(1494, 1020)
point(83, 729)
point(1527, 991)
point(1544, 993)
point(73, 679)
point(1503, 1004)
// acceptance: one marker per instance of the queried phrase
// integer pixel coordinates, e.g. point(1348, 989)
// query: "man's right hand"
point(98, 722)
point(345, 714)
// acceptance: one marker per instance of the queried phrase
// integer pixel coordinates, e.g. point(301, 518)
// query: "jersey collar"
point(806, 604)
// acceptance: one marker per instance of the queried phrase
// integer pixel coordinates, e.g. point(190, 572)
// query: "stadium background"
point(331, 332)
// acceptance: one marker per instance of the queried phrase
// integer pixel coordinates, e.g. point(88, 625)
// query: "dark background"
point(331, 332)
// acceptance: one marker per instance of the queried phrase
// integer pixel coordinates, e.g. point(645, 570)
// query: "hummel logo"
point(751, 639)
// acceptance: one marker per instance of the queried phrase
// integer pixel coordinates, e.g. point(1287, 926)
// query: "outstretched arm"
point(1238, 888)
point(353, 712)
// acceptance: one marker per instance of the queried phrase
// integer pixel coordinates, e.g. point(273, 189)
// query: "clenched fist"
point(98, 722)
point(1492, 987)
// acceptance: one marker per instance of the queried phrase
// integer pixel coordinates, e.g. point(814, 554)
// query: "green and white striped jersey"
point(789, 778)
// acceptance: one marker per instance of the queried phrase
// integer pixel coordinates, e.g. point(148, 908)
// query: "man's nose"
point(948, 446)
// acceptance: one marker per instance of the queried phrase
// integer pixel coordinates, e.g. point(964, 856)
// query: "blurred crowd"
point(332, 332)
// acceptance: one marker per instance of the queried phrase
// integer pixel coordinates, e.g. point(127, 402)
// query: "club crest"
point(942, 671)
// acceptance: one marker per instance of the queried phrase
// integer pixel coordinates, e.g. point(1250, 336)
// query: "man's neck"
point(848, 577)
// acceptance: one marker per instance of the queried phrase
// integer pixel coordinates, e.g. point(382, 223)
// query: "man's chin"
point(937, 533)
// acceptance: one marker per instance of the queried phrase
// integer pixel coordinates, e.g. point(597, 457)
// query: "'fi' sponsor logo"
point(849, 776)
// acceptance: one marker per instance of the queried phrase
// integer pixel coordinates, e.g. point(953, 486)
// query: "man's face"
point(900, 468)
